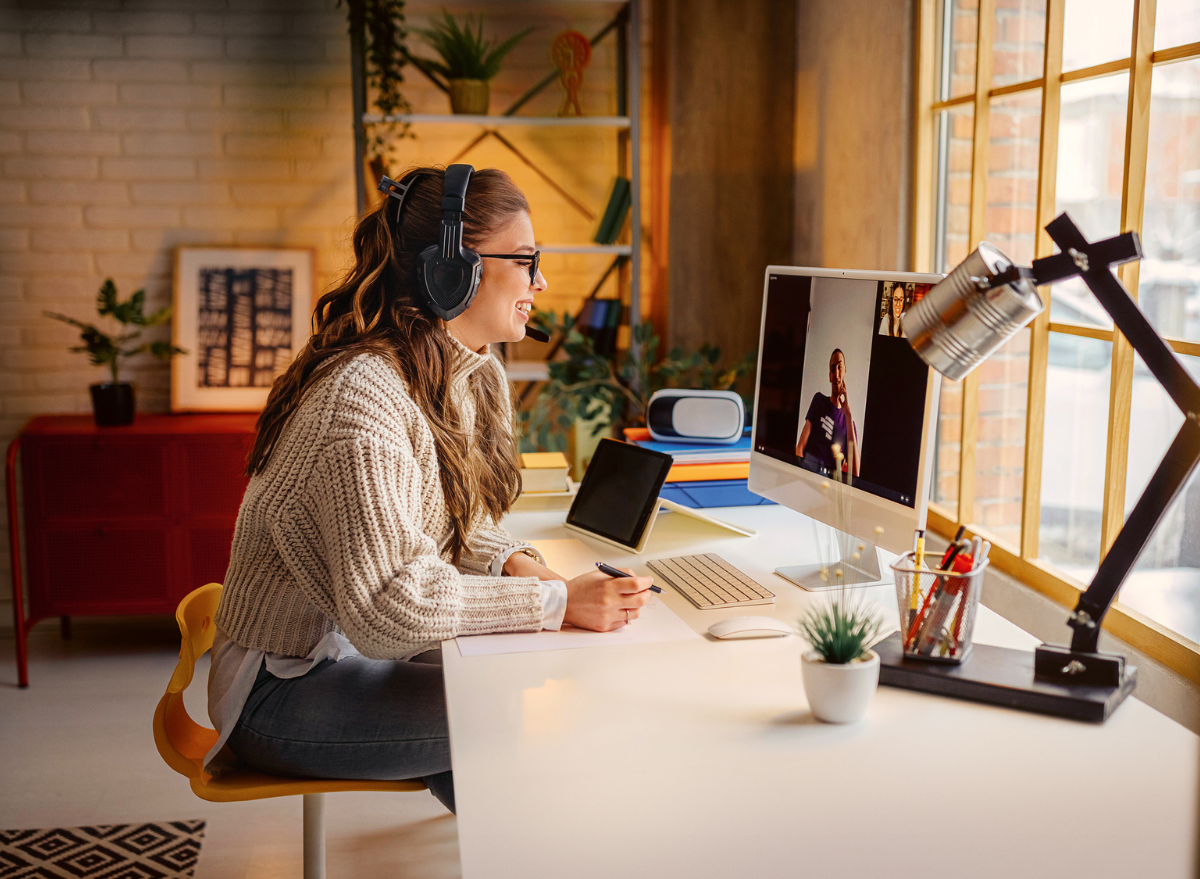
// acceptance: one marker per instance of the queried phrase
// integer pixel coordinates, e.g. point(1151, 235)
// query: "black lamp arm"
point(1164, 486)
point(1092, 262)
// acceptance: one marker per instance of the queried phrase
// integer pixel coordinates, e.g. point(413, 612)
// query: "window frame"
point(1155, 640)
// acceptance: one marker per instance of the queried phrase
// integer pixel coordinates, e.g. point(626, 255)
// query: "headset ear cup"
point(449, 284)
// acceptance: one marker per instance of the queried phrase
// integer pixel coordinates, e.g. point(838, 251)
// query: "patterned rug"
point(111, 851)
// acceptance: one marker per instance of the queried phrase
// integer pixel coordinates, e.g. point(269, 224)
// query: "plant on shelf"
point(113, 402)
point(468, 60)
point(384, 33)
point(611, 393)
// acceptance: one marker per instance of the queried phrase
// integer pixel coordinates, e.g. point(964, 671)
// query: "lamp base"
point(1066, 666)
point(1001, 676)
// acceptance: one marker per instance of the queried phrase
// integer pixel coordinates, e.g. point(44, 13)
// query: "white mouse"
point(750, 627)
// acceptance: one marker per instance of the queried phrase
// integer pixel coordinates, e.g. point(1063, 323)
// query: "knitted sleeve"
point(354, 541)
point(489, 539)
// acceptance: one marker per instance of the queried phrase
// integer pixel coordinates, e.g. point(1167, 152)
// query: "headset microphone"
point(537, 335)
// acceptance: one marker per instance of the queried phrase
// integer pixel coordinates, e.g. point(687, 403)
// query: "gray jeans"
point(358, 718)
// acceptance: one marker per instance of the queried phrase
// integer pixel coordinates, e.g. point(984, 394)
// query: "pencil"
point(914, 603)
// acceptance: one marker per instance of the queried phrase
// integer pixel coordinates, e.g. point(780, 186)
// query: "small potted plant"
point(841, 671)
point(468, 60)
point(113, 402)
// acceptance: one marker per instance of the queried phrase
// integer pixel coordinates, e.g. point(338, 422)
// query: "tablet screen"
point(619, 491)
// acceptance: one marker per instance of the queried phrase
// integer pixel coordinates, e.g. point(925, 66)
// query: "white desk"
point(699, 759)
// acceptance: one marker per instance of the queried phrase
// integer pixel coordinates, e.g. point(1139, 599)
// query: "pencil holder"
point(937, 610)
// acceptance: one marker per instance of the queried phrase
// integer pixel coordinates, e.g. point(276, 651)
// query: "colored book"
point(705, 472)
point(544, 471)
point(633, 434)
point(619, 202)
point(701, 453)
point(713, 493)
point(607, 342)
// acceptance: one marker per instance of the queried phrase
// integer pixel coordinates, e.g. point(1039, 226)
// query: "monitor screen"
point(839, 387)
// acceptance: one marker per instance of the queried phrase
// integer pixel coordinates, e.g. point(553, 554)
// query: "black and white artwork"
point(241, 315)
point(245, 327)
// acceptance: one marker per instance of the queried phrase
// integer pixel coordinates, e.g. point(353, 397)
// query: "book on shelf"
point(544, 472)
point(619, 202)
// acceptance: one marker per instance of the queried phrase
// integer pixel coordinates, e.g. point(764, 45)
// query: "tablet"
point(618, 498)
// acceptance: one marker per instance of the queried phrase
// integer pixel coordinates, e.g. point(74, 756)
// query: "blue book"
point(702, 453)
point(713, 493)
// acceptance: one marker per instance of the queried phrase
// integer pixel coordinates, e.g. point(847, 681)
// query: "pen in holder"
point(939, 630)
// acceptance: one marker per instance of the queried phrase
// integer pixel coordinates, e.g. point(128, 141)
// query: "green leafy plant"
point(104, 349)
point(465, 53)
point(384, 28)
point(841, 631)
point(613, 392)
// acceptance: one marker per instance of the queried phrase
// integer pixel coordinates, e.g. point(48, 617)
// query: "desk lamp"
point(982, 303)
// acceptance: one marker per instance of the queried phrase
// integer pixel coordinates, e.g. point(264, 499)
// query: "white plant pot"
point(839, 693)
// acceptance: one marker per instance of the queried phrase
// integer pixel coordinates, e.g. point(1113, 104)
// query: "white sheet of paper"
point(656, 623)
point(571, 558)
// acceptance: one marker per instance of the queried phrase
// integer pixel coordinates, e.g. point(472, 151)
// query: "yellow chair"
point(183, 743)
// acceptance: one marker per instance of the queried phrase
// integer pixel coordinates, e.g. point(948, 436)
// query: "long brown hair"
point(376, 308)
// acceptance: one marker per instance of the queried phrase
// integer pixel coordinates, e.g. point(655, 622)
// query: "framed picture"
point(241, 314)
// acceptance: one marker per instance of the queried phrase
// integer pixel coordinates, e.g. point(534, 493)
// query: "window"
point(1029, 108)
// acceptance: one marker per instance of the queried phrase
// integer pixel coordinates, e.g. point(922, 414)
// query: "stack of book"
point(704, 474)
point(544, 473)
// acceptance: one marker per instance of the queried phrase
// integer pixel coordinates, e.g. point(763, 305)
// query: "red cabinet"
point(122, 520)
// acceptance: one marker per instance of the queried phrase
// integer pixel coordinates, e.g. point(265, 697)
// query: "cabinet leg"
point(64, 627)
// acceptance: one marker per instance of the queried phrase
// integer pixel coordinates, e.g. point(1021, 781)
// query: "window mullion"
point(1039, 339)
point(922, 247)
point(1133, 197)
point(979, 162)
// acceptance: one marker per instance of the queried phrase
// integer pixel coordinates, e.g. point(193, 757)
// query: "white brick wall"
point(128, 127)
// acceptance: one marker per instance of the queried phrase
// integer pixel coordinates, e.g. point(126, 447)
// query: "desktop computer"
point(844, 415)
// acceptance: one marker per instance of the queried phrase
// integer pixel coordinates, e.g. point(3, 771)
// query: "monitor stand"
point(864, 571)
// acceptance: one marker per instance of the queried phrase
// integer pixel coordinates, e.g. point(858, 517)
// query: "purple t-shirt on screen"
point(828, 427)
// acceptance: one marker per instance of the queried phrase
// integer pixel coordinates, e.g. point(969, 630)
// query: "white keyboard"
point(709, 581)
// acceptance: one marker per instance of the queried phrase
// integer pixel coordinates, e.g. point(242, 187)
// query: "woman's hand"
point(602, 603)
point(521, 565)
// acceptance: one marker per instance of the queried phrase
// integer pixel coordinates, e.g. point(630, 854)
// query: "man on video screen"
point(829, 423)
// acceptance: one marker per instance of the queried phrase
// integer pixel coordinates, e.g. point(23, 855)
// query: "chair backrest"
point(181, 741)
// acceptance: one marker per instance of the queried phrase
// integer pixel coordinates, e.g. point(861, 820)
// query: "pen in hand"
point(613, 572)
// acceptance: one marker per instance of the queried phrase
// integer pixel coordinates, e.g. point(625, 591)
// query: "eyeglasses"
point(536, 257)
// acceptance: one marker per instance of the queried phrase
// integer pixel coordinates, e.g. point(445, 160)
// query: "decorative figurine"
point(571, 53)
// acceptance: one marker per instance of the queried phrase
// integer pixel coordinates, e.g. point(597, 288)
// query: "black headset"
point(450, 273)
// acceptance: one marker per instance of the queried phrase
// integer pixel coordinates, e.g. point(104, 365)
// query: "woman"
point(895, 300)
point(381, 465)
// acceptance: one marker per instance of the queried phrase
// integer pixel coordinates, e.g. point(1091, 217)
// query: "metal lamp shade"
point(962, 320)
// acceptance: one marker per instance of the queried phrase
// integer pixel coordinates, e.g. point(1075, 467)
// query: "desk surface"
point(701, 758)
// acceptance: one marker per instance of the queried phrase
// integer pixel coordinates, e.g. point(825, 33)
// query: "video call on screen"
point(882, 390)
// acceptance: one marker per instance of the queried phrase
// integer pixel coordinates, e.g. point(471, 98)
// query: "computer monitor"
point(835, 374)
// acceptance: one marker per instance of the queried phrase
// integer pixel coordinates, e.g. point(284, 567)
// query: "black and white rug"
point(110, 851)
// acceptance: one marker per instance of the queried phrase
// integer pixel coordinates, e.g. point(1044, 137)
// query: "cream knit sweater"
point(346, 529)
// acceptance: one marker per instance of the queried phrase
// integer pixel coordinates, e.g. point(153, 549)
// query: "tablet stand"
point(688, 511)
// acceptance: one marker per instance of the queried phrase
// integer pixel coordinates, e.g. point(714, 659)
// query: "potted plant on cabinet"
point(841, 671)
point(113, 402)
point(468, 61)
